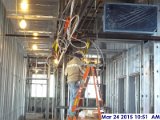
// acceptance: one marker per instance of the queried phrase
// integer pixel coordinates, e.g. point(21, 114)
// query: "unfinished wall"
point(119, 69)
point(133, 77)
point(130, 80)
point(156, 71)
point(12, 72)
point(157, 77)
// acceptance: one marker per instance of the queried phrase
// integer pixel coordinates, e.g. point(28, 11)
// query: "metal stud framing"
point(12, 72)
point(146, 79)
point(123, 67)
point(139, 68)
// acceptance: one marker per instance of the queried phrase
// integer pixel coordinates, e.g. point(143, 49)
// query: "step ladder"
point(90, 71)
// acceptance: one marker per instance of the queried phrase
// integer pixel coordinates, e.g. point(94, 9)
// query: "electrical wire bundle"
point(66, 34)
point(66, 31)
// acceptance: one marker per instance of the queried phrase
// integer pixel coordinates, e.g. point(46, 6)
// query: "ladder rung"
point(81, 98)
point(87, 108)
point(81, 92)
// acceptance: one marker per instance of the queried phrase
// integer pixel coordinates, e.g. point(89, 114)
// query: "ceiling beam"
point(31, 17)
point(34, 31)
point(37, 42)
point(124, 36)
point(42, 52)
point(108, 40)
point(107, 50)
point(42, 49)
point(18, 35)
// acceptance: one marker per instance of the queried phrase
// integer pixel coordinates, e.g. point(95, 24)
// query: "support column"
point(107, 83)
point(63, 90)
point(127, 82)
point(54, 96)
point(56, 92)
point(157, 77)
point(141, 74)
point(145, 80)
point(157, 65)
point(27, 91)
point(156, 2)
point(48, 92)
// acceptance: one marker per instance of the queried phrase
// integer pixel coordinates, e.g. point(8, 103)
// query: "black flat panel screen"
point(135, 18)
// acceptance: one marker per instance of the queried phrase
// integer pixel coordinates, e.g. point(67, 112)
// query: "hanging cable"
point(82, 47)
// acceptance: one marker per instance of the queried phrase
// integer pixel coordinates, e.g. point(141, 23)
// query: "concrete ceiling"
point(42, 18)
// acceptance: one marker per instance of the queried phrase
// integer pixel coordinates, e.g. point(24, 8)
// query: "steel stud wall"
point(157, 77)
point(135, 66)
point(141, 66)
point(12, 72)
point(147, 79)
point(157, 67)
point(142, 61)
point(123, 66)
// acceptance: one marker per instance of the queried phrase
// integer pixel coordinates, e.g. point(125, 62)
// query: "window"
point(39, 85)
point(90, 90)
point(39, 88)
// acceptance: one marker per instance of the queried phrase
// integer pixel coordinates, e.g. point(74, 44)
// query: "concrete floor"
point(34, 116)
point(39, 116)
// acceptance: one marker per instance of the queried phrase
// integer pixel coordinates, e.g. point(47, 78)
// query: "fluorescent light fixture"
point(35, 34)
point(42, 62)
point(92, 56)
point(31, 32)
point(34, 47)
point(24, 5)
point(23, 24)
point(86, 60)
